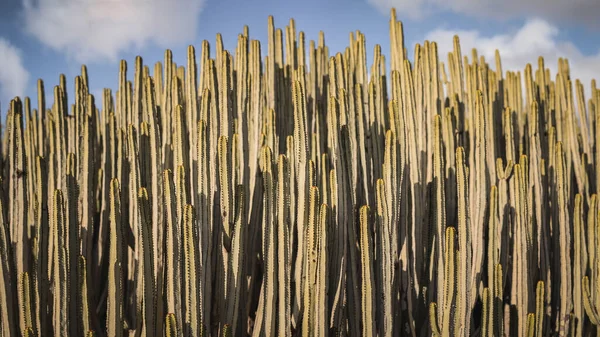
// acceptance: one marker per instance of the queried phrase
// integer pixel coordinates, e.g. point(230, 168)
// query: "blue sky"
point(44, 38)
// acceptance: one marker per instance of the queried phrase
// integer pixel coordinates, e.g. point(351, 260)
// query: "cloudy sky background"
point(44, 38)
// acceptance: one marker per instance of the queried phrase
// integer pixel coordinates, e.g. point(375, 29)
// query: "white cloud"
point(97, 30)
point(13, 76)
point(535, 38)
point(580, 11)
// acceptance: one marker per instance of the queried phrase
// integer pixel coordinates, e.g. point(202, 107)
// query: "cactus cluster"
point(299, 196)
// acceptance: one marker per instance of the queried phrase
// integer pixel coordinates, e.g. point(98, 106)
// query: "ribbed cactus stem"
point(301, 168)
point(366, 245)
point(173, 238)
point(7, 280)
point(486, 327)
point(530, 332)
point(224, 183)
point(114, 309)
point(41, 274)
point(310, 263)
point(83, 309)
point(60, 271)
point(435, 329)
point(564, 241)
point(171, 326)
point(236, 259)
point(26, 307)
point(493, 254)
point(321, 304)
point(578, 270)
point(147, 269)
point(449, 282)
point(227, 332)
point(439, 212)
point(498, 300)
point(17, 187)
point(591, 310)
point(203, 207)
point(385, 282)
point(539, 309)
point(193, 313)
point(464, 241)
point(283, 246)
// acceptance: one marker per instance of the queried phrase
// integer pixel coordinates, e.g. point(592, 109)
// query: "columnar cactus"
point(115, 285)
point(297, 195)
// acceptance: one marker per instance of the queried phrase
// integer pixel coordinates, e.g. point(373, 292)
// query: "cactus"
point(236, 259)
point(435, 329)
point(147, 287)
point(115, 286)
point(462, 321)
point(539, 309)
point(311, 235)
point(25, 291)
point(486, 324)
point(7, 279)
point(192, 310)
point(83, 299)
point(171, 326)
point(366, 246)
point(283, 245)
point(297, 196)
point(59, 270)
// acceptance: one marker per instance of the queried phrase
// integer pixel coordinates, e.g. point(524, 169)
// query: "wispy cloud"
point(99, 30)
point(579, 11)
point(535, 38)
point(13, 76)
